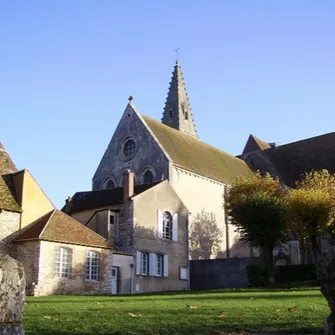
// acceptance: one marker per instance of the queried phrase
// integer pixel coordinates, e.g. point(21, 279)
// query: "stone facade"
point(148, 154)
point(9, 223)
point(39, 260)
point(161, 197)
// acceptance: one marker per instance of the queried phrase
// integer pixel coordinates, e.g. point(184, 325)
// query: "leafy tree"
point(205, 236)
point(312, 206)
point(258, 209)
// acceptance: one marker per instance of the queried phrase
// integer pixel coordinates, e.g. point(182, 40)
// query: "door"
point(115, 272)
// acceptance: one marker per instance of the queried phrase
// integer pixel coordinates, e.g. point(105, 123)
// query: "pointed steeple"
point(177, 111)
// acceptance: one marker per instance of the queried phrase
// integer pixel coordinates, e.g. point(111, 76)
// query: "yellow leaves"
point(192, 306)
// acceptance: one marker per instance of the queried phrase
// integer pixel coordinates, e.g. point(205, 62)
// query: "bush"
point(300, 272)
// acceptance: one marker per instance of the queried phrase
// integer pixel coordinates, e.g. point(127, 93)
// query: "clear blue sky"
point(67, 69)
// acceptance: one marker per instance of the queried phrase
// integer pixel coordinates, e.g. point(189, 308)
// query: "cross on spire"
point(177, 52)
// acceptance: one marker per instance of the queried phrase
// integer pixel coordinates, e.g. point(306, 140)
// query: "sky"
point(67, 68)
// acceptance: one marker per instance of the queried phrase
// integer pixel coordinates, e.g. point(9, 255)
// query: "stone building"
point(59, 254)
point(171, 150)
point(289, 162)
point(148, 221)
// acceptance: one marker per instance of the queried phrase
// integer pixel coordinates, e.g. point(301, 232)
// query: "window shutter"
point(138, 262)
point(166, 265)
point(175, 227)
point(152, 264)
point(160, 224)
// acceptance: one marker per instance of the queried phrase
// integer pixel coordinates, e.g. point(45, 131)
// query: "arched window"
point(148, 177)
point(110, 184)
point(167, 226)
point(129, 148)
point(92, 266)
point(63, 262)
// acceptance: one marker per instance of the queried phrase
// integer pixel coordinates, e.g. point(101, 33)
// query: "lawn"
point(292, 311)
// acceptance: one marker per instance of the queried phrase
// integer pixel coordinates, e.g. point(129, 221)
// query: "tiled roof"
point(82, 201)
point(254, 144)
point(7, 199)
point(196, 156)
point(56, 226)
point(294, 159)
point(6, 163)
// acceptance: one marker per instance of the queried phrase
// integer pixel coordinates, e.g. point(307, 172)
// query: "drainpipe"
point(132, 278)
point(226, 219)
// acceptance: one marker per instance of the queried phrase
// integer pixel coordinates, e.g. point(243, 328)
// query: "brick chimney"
point(128, 185)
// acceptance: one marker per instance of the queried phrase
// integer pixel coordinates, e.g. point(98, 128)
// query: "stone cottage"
point(59, 254)
point(148, 221)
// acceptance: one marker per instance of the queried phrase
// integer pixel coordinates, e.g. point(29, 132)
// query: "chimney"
point(68, 205)
point(128, 185)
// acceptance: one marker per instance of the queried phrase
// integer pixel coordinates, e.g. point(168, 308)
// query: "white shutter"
point(138, 262)
point(152, 265)
point(160, 224)
point(175, 227)
point(166, 265)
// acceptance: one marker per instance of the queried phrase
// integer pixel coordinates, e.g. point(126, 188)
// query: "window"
point(111, 218)
point(159, 265)
point(183, 273)
point(110, 184)
point(167, 226)
point(144, 263)
point(92, 268)
point(170, 114)
point(129, 148)
point(148, 177)
point(151, 264)
point(63, 262)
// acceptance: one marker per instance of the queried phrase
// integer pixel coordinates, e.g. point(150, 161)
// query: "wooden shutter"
point(175, 227)
point(166, 265)
point(152, 265)
point(138, 262)
point(160, 224)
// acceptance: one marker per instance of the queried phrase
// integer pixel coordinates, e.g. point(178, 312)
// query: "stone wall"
point(9, 223)
point(28, 253)
point(162, 197)
point(47, 284)
point(199, 193)
point(218, 273)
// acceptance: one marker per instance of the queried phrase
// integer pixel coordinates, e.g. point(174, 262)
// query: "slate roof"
point(7, 199)
point(294, 159)
point(196, 156)
point(254, 144)
point(57, 226)
point(82, 201)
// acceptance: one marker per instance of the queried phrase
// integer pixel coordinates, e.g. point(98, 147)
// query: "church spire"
point(177, 111)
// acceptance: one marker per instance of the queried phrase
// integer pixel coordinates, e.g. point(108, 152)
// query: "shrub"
point(300, 272)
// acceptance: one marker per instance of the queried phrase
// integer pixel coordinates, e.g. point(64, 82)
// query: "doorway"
point(115, 273)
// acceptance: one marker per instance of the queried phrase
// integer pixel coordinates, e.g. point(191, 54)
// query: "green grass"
point(167, 314)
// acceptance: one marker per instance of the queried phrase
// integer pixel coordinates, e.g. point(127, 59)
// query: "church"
point(171, 150)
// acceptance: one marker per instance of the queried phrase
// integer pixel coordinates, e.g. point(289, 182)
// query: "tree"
point(312, 206)
point(205, 236)
point(258, 209)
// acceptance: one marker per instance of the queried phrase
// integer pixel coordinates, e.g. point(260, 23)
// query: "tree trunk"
point(268, 266)
point(303, 251)
point(325, 270)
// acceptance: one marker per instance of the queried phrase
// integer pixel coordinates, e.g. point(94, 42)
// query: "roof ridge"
point(46, 224)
